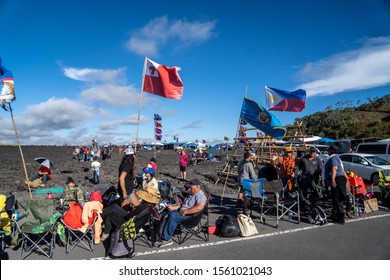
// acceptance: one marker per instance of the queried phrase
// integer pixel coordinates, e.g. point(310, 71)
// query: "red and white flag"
point(162, 80)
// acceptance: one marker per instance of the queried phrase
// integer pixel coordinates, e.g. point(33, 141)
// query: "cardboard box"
point(370, 205)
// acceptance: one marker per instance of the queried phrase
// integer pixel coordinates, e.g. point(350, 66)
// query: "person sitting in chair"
point(192, 204)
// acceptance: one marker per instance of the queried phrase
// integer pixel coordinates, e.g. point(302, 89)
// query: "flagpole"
point(140, 102)
point(235, 152)
point(20, 149)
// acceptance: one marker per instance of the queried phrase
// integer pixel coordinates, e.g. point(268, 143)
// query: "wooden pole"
point(139, 105)
point(20, 149)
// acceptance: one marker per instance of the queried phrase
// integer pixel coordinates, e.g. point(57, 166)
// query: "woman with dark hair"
point(127, 174)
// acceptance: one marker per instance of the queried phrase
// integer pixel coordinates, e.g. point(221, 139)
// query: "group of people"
point(287, 168)
point(134, 195)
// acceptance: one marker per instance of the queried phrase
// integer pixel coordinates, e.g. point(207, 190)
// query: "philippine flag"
point(282, 100)
point(162, 80)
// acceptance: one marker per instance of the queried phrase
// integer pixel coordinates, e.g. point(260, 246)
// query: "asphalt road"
point(361, 238)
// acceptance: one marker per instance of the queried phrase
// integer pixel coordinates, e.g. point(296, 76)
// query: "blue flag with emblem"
point(257, 116)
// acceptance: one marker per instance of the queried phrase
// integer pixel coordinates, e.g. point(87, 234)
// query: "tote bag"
point(246, 225)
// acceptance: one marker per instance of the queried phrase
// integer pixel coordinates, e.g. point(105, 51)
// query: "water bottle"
point(360, 212)
point(289, 215)
point(356, 210)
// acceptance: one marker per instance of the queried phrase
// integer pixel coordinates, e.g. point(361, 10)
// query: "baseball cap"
point(129, 151)
point(191, 183)
point(312, 149)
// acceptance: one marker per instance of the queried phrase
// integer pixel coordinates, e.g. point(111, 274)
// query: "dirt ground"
point(12, 174)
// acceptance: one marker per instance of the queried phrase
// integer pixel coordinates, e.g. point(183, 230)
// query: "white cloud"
point(40, 122)
point(158, 32)
point(94, 75)
point(121, 96)
point(131, 120)
point(367, 67)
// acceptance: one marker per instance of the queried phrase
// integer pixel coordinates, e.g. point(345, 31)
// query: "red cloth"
point(162, 80)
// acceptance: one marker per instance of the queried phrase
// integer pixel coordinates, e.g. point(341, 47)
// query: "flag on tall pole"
point(283, 100)
point(262, 119)
point(7, 92)
point(162, 80)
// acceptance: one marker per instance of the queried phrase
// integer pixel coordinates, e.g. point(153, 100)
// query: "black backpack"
point(228, 226)
point(317, 216)
point(110, 197)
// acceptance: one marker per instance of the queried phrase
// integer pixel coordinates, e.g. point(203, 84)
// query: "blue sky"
point(78, 65)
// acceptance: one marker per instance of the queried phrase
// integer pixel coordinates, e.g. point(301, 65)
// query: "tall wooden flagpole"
point(140, 102)
point(20, 149)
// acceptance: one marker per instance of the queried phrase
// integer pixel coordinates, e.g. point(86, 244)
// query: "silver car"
point(365, 165)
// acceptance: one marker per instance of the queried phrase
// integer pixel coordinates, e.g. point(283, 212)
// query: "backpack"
point(228, 226)
point(110, 197)
point(246, 225)
point(73, 194)
point(317, 216)
point(122, 241)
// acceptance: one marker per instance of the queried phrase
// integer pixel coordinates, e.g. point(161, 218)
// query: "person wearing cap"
point(95, 149)
point(127, 174)
point(95, 166)
point(286, 168)
point(311, 164)
point(246, 170)
point(192, 204)
point(337, 182)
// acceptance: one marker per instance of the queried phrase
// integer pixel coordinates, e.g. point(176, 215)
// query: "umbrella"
point(45, 162)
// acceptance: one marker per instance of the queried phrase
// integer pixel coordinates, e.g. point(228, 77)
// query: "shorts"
point(183, 168)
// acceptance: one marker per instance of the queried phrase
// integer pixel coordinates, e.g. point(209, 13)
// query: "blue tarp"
point(325, 140)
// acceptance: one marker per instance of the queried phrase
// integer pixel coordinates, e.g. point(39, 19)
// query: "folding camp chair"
point(197, 225)
point(359, 189)
point(253, 190)
point(37, 234)
point(72, 222)
point(275, 199)
point(384, 183)
point(144, 224)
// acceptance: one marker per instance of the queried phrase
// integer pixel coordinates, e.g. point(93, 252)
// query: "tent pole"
point(20, 149)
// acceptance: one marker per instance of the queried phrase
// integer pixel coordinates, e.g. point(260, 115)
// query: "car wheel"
point(375, 178)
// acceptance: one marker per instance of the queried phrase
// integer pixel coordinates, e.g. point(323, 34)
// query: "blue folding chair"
point(253, 189)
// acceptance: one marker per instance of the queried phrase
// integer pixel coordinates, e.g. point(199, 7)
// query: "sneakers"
point(166, 243)
point(349, 215)
point(104, 237)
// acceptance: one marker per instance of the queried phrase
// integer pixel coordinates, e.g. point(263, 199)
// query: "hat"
point(312, 149)
point(288, 150)
point(69, 180)
point(149, 194)
point(191, 183)
point(129, 151)
point(149, 170)
point(253, 155)
point(333, 148)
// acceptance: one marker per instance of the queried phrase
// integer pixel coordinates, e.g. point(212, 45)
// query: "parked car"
point(364, 165)
point(381, 149)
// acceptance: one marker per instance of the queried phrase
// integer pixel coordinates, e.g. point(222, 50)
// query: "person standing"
point(246, 170)
point(336, 181)
point(311, 164)
point(184, 159)
point(286, 166)
point(127, 174)
point(95, 166)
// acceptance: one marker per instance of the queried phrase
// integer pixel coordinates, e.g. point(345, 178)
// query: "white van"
point(381, 149)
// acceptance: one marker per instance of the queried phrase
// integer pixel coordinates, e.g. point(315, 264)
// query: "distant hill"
point(371, 119)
